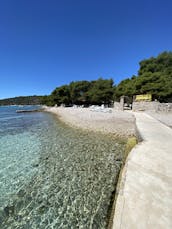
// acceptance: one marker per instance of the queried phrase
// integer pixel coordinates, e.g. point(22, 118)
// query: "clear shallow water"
point(53, 176)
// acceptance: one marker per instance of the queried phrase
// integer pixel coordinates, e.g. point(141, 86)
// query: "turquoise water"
point(54, 176)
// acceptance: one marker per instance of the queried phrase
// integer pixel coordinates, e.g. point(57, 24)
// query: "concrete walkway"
point(145, 193)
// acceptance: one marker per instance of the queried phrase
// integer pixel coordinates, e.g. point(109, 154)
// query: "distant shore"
point(119, 123)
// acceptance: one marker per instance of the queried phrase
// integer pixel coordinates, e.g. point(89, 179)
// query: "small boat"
point(28, 111)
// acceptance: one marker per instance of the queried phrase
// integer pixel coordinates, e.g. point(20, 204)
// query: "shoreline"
point(137, 175)
point(124, 123)
point(77, 165)
point(117, 123)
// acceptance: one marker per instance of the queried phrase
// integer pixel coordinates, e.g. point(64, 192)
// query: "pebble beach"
point(108, 121)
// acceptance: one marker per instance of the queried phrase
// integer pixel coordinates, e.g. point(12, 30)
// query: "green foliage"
point(47, 100)
point(82, 93)
point(161, 63)
point(126, 87)
point(79, 92)
point(101, 91)
point(61, 95)
point(154, 77)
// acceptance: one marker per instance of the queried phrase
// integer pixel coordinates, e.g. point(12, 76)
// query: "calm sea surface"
point(54, 176)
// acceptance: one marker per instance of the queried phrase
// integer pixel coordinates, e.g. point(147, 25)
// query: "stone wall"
point(152, 106)
point(165, 107)
point(118, 106)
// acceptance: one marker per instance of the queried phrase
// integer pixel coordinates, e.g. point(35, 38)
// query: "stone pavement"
point(145, 193)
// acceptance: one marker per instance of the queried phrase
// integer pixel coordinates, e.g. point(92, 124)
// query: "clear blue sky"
point(44, 44)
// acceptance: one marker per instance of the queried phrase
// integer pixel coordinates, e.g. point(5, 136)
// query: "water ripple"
point(73, 181)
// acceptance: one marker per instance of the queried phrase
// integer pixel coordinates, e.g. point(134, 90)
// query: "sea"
point(55, 176)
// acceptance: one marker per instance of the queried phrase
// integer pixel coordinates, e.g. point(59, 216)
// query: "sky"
point(48, 43)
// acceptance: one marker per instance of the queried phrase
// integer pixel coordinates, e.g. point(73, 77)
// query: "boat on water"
point(26, 111)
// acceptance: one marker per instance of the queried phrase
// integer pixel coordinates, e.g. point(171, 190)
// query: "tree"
point(61, 95)
point(79, 92)
point(154, 76)
point(101, 91)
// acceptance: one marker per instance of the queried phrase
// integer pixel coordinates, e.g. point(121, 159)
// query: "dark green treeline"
point(154, 77)
point(84, 92)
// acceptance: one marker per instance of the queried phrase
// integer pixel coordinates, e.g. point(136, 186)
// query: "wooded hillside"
point(22, 100)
